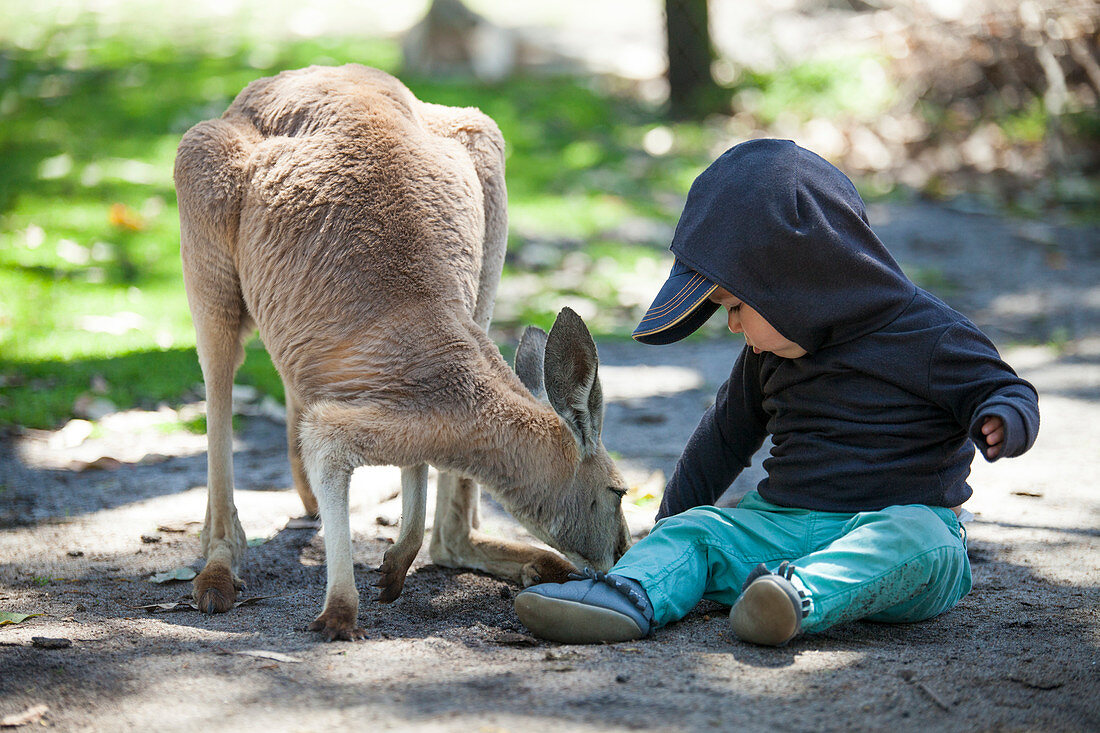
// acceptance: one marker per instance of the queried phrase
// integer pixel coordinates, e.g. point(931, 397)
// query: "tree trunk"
point(692, 89)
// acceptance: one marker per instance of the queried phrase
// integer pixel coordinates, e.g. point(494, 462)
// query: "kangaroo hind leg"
point(208, 175)
point(399, 558)
point(218, 329)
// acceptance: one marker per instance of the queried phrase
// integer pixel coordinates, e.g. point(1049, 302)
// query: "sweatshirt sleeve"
point(968, 377)
point(723, 444)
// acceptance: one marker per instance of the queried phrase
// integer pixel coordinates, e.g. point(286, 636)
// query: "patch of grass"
point(90, 117)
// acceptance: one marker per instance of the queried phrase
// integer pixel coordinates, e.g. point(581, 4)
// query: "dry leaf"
point(45, 642)
point(177, 606)
point(188, 606)
point(30, 715)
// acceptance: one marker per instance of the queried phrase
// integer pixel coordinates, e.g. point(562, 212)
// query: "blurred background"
point(609, 108)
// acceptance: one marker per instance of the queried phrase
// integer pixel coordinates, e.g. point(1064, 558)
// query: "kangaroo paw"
point(547, 568)
point(338, 622)
point(215, 589)
point(392, 580)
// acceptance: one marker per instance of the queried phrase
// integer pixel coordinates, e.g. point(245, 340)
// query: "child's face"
point(759, 334)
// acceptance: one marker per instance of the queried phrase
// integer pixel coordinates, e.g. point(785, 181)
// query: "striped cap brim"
point(679, 309)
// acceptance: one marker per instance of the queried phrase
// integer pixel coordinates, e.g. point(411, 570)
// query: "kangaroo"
point(363, 232)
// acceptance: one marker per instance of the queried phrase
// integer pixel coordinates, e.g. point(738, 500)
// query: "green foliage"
point(851, 86)
point(1028, 125)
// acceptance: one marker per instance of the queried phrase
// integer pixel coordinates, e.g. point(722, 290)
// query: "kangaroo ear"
point(572, 383)
point(529, 358)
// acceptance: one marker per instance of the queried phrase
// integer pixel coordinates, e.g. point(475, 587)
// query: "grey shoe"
point(591, 609)
point(770, 609)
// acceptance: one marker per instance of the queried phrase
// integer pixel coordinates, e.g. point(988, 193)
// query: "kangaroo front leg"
point(456, 544)
point(398, 559)
point(340, 619)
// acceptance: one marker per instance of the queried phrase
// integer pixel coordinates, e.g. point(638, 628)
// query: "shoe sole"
point(570, 622)
point(765, 614)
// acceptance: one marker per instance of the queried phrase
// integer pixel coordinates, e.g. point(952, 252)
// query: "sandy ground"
point(1019, 653)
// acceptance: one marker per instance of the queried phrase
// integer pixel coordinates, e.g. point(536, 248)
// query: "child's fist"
point(994, 431)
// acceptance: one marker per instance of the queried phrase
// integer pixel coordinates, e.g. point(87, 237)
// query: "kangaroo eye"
point(620, 492)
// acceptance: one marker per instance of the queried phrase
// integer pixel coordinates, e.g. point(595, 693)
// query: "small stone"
point(80, 608)
point(620, 678)
point(45, 642)
point(150, 539)
point(505, 592)
point(75, 553)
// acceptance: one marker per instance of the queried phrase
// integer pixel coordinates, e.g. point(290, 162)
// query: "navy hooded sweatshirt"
point(895, 385)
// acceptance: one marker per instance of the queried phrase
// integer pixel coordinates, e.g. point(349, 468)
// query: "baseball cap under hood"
point(786, 232)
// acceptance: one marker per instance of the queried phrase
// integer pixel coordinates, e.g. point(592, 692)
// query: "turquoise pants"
point(899, 564)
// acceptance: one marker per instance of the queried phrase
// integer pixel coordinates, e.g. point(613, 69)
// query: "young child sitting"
point(871, 390)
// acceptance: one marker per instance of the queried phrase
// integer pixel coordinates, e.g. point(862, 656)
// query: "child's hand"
point(994, 431)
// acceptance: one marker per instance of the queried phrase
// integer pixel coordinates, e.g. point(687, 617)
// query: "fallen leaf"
point(45, 642)
point(30, 715)
point(274, 656)
point(177, 606)
point(188, 606)
point(182, 573)
point(15, 618)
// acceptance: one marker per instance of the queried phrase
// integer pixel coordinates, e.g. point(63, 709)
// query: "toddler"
point(874, 393)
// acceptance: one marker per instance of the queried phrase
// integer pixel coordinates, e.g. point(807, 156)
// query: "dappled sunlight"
point(622, 383)
point(116, 541)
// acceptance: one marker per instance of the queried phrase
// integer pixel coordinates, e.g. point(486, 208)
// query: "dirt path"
point(1019, 653)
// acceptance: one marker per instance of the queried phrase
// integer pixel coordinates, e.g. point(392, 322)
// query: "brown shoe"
point(770, 609)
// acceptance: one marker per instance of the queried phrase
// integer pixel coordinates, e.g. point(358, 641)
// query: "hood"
point(786, 232)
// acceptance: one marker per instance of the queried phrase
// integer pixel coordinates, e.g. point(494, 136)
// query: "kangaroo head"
point(583, 518)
